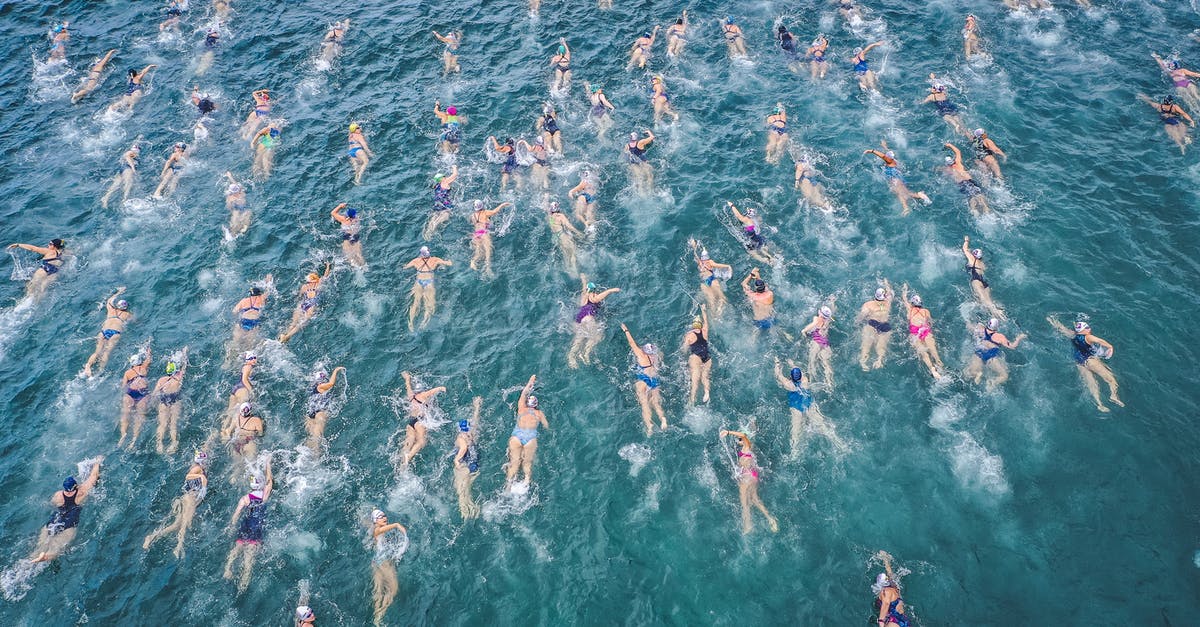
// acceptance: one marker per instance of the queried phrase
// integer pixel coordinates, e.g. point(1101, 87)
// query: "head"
point(312, 277)
point(993, 324)
point(646, 34)
point(274, 132)
point(1173, 64)
point(591, 287)
point(782, 29)
point(882, 581)
point(172, 367)
point(464, 426)
point(508, 141)
point(256, 483)
point(656, 79)
point(424, 252)
point(728, 19)
point(633, 136)
point(180, 146)
point(562, 49)
point(132, 72)
point(1168, 100)
point(554, 207)
point(250, 356)
point(949, 160)
point(880, 294)
point(547, 109)
point(539, 140)
point(352, 213)
point(200, 458)
point(649, 349)
point(760, 286)
point(452, 110)
point(679, 21)
point(256, 291)
point(377, 516)
point(245, 409)
point(123, 305)
point(1082, 327)
point(595, 89)
point(354, 127)
point(977, 253)
point(69, 484)
point(304, 613)
point(978, 132)
point(890, 154)
point(704, 254)
point(857, 51)
point(437, 178)
point(915, 300)
point(939, 88)
point(826, 313)
point(136, 360)
point(235, 188)
point(57, 244)
point(697, 323)
point(532, 402)
point(797, 374)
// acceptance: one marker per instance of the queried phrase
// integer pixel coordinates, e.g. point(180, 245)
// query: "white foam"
point(638, 455)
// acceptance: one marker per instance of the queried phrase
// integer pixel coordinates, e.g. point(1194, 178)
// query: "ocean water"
point(1023, 506)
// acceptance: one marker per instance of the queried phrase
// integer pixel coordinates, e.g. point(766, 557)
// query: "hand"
point(121, 290)
point(624, 328)
point(723, 433)
point(13, 245)
point(966, 239)
point(703, 307)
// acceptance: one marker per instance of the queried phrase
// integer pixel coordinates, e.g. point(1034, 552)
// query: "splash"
point(638, 455)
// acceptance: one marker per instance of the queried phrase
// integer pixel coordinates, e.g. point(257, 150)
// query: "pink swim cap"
point(451, 110)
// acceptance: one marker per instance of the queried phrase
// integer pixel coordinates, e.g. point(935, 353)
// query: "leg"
point(430, 304)
point(694, 372)
point(821, 424)
point(999, 372)
point(247, 565)
point(160, 434)
point(933, 352)
point(594, 335)
point(185, 522)
point(174, 430)
point(1089, 380)
point(744, 497)
point(100, 342)
point(771, 522)
point(528, 453)
point(126, 408)
point(655, 398)
point(706, 372)
point(177, 511)
point(415, 307)
point(1102, 370)
point(868, 339)
point(975, 369)
point(514, 461)
point(881, 343)
point(797, 432)
point(825, 355)
point(139, 419)
point(644, 404)
point(233, 553)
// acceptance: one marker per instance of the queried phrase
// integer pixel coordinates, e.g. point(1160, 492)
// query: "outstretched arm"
point(633, 346)
point(957, 153)
point(408, 388)
point(1060, 327)
point(526, 390)
point(966, 249)
point(270, 481)
point(779, 378)
point(328, 385)
point(453, 175)
point(90, 482)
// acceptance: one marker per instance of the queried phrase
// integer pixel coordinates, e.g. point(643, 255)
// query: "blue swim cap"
point(464, 426)
point(69, 484)
point(797, 374)
point(591, 287)
point(352, 213)
point(274, 132)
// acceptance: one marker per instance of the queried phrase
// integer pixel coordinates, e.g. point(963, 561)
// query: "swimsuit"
point(470, 457)
point(765, 323)
point(549, 124)
point(922, 331)
point(731, 34)
point(754, 239)
point(860, 66)
point(981, 150)
point(635, 153)
point(588, 309)
point(51, 268)
point(168, 398)
point(65, 517)
point(355, 147)
point(131, 87)
point(598, 108)
point(510, 160)
point(639, 374)
point(196, 487)
point(975, 274)
point(778, 125)
point(699, 347)
point(525, 436)
point(748, 471)
point(450, 130)
point(880, 327)
point(799, 399)
point(987, 353)
point(893, 616)
point(424, 282)
point(1168, 115)
point(251, 529)
point(970, 189)
point(1083, 349)
point(441, 198)
point(819, 338)
point(350, 231)
point(945, 107)
point(317, 402)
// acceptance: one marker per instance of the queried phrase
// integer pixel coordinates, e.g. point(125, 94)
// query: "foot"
point(774, 524)
point(146, 543)
point(1116, 401)
point(878, 364)
point(41, 557)
point(1102, 408)
point(649, 430)
point(864, 366)
point(663, 425)
point(228, 574)
point(706, 398)
point(178, 552)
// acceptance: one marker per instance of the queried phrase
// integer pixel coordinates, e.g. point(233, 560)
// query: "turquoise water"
point(1024, 506)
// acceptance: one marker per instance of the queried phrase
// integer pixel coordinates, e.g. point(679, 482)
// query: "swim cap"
point(123, 305)
point(452, 110)
point(250, 356)
point(464, 426)
point(312, 276)
point(244, 409)
point(478, 204)
point(656, 79)
point(136, 359)
point(1082, 326)
point(58, 243)
point(882, 581)
point(880, 293)
point(437, 178)
point(633, 136)
point(547, 109)
point(172, 367)
point(993, 324)
point(595, 88)
point(377, 515)
point(591, 287)
point(352, 213)
point(915, 299)
point(256, 291)
point(949, 160)
point(649, 348)
point(424, 251)
point(889, 154)
point(133, 71)
point(354, 126)
point(69, 484)
point(751, 212)
point(200, 458)
point(704, 254)
point(760, 285)
point(562, 49)
point(826, 312)
point(304, 612)
point(235, 188)
point(939, 87)
point(274, 132)
point(729, 19)
point(977, 253)
point(797, 374)
point(532, 401)
point(978, 132)
point(256, 482)
point(697, 323)
point(646, 34)
point(554, 208)
point(539, 140)
point(181, 145)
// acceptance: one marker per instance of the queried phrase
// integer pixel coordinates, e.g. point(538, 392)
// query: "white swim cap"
point(377, 515)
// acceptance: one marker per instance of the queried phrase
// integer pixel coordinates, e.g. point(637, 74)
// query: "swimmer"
point(819, 353)
point(539, 171)
point(967, 185)
point(241, 434)
point(466, 462)
point(212, 40)
point(849, 12)
point(661, 100)
point(204, 103)
point(316, 409)
point(424, 292)
point(696, 347)
point(331, 45)
point(812, 191)
point(803, 410)
point(251, 527)
point(235, 203)
point(588, 330)
point(1089, 351)
point(133, 90)
point(920, 331)
point(1170, 114)
point(351, 227)
point(383, 564)
point(305, 616)
point(47, 271)
point(640, 53)
point(601, 108)
point(116, 315)
point(970, 32)
point(92, 80)
point(640, 169)
point(451, 134)
point(711, 276)
point(762, 300)
point(419, 405)
point(777, 133)
point(169, 177)
point(481, 237)
point(986, 151)
point(259, 116)
point(787, 43)
point(59, 36)
point(248, 315)
point(564, 234)
point(62, 527)
point(988, 342)
point(183, 508)
point(1181, 78)
point(818, 65)
point(734, 40)
point(979, 285)
point(584, 194)
point(264, 143)
point(310, 293)
point(175, 9)
point(360, 154)
point(755, 243)
point(647, 363)
point(127, 169)
point(891, 172)
point(508, 152)
point(523, 444)
point(747, 474)
point(867, 80)
point(888, 604)
point(561, 62)
point(134, 402)
point(534, 5)
point(547, 125)
point(946, 109)
point(677, 36)
point(443, 203)
point(167, 391)
point(243, 391)
point(453, 40)
point(875, 318)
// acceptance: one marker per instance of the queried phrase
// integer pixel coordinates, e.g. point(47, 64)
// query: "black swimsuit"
point(699, 347)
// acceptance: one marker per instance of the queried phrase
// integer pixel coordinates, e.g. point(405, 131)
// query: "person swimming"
point(647, 363)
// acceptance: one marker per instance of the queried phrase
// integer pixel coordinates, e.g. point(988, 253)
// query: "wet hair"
point(132, 72)
point(58, 243)
point(679, 21)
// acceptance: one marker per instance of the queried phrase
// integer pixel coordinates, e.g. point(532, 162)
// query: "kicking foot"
point(1116, 401)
